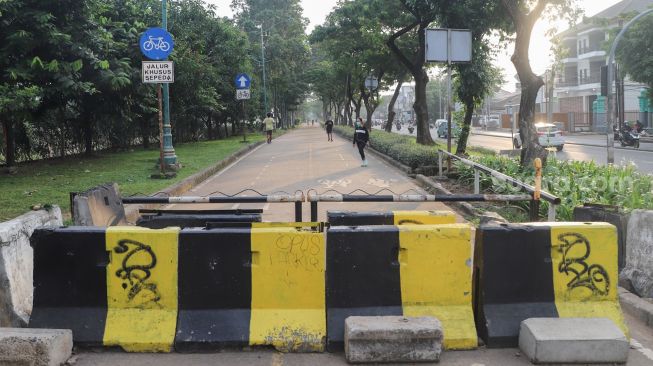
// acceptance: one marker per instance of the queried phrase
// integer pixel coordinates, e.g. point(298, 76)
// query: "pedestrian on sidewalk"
point(269, 126)
point(329, 129)
point(361, 138)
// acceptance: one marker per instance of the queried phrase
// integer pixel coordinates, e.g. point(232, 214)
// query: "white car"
point(548, 135)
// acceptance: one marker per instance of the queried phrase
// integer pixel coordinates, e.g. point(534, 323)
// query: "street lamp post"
point(265, 89)
point(611, 75)
point(169, 156)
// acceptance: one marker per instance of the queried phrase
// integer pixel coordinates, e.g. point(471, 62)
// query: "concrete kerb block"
point(639, 250)
point(17, 264)
point(35, 347)
point(573, 341)
point(637, 307)
point(392, 339)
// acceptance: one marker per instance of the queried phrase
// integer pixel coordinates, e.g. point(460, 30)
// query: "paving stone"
point(35, 347)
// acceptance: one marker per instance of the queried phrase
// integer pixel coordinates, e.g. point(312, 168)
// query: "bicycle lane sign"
point(156, 44)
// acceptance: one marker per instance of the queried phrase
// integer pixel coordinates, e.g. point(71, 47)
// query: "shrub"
point(399, 147)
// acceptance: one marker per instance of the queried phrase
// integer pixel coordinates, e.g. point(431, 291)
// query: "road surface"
point(578, 147)
point(302, 160)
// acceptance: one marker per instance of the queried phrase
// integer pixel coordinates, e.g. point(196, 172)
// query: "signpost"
point(450, 46)
point(157, 44)
point(243, 83)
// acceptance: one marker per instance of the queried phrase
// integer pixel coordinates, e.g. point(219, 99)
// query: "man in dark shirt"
point(361, 138)
point(329, 129)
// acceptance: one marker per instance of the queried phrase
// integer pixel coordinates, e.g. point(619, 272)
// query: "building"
point(578, 84)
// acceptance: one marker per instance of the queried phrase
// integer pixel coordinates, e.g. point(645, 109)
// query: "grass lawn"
point(51, 181)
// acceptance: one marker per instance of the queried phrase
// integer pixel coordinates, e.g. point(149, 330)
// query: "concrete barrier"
point(639, 253)
point(347, 218)
point(406, 270)
point(566, 270)
point(16, 264)
point(154, 290)
point(269, 286)
point(99, 206)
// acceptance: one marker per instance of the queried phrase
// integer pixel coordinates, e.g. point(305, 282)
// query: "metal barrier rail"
point(537, 194)
point(315, 198)
point(298, 198)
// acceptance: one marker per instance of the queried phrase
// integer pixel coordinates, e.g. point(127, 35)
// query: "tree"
point(633, 52)
point(523, 14)
point(423, 13)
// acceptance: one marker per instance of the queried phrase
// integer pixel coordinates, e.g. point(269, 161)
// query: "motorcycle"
point(629, 138)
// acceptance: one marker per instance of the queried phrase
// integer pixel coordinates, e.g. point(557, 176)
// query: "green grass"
point(50, 181)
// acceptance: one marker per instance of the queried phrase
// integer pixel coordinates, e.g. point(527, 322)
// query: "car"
point(492, 124)
point(443, 130)
point(438, 123)
point(548, 135)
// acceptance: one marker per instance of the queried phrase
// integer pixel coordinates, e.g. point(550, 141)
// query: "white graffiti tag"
point(381, 183)
point(330, 184)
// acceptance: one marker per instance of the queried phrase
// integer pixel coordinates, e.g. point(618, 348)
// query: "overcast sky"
point(540, 55)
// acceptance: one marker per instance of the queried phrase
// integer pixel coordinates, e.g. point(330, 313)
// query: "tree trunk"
point(145, 133)
point(391, 107)
point(209, 126)
point(421, 109)
point(461, 149)
point(88, 136)
point(10, 143)
point(530, 83)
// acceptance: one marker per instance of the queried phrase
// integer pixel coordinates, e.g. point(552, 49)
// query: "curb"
point(404, 168)
point(637, 307)
point(429, 183)
point(132, 212)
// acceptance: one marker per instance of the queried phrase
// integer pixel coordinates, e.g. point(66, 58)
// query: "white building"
point(578, 85)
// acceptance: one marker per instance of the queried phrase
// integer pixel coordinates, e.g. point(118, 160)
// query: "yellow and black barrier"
point(543, 270)
point(348, 218)
point(401, 270)
point(157, 290)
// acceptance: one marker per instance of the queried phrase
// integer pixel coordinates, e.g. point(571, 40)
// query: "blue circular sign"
point(156, 44)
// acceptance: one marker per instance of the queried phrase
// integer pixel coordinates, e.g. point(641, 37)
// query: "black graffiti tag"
point(409, 222)
point(593, 277)
point(136, 275)
point(299, 251)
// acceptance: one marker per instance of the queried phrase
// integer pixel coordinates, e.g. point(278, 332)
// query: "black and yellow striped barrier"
point(406, 270)
point(543, 270)
point(347, 218)
point(154, 290)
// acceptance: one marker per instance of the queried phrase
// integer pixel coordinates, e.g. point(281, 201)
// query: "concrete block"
point(99, 206)
point(639, 253)
point(392, 339)
point(35, 347)
point(17, 264)
point(573, 341)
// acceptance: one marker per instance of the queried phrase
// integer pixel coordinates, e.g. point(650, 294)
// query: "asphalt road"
point(578, 147)
point(302, 160)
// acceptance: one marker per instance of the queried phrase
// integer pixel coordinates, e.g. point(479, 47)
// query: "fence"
point(534, 193)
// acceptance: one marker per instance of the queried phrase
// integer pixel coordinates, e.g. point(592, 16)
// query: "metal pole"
point(265, 89)
point(298, 212)
point(161, 160)
point(477, 182)
point(243, 126)
point(313, 211)
point(613, 50)
point(169, 156)
point(449, 99)
point(440, 161)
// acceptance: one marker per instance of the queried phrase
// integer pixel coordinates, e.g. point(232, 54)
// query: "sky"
point(540, 55)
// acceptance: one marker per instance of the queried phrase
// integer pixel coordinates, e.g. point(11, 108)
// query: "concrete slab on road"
point(301, 160)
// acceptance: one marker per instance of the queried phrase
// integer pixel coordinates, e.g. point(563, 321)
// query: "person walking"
point(361, 138)
point(329, 130)
point(269, 126)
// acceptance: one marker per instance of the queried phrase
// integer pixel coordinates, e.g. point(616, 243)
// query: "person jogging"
point(269, 126)
point(329, 130)
point(361, 138)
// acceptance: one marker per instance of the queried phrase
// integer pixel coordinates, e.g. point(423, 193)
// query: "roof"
point(620, 8)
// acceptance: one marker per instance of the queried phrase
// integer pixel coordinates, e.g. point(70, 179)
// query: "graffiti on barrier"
point(136, 266)
point(300, 251)
point(575, 249)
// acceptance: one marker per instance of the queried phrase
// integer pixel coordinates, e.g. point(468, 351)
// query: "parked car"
point(493, 124)
point(438, 123)
point(548, 135)
point(443, 130)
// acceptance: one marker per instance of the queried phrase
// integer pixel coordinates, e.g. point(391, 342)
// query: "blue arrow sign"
point(243, 81)
point(156, 44)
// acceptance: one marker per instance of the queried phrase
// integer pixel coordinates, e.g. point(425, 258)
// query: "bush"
point(399, 147)
point(575, 182)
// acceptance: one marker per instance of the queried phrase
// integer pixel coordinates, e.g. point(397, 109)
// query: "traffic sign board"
point(156, 44)
point(243, 81)
point(243, 94)
point(158, 72)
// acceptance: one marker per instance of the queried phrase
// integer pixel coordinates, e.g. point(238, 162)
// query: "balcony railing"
point(590, 80)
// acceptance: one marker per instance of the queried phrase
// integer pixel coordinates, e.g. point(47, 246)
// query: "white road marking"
point(252, 184)
point(329, 184)
point(341, 158)
point(643, 350)
point(266, 207)
point(235, 207)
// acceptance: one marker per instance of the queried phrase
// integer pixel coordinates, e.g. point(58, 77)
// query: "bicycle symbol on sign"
point(156, 43)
